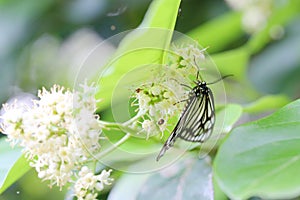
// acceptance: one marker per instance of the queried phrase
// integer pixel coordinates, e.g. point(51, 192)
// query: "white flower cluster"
point(255, 13)
point(58, 133)
point(88, 185)
point(186, 59)
point(158, 101)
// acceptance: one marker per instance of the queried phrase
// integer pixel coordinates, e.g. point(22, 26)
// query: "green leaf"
point(232, 113)
point(226, 117)
point(208, 34)
point(262, 158)
point(267, 103)
point(188, 179)
point(143, 46)
point(233, 62)
point(218, 193)
point(13, 165)
point(128, 186)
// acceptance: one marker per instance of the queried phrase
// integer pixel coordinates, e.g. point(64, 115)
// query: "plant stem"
point(117, 126)
point(114, 146)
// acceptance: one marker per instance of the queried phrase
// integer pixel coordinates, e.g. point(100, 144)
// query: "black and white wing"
point(196, 121)
point(198, 118)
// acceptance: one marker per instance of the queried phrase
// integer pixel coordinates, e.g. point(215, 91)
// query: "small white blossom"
point(88, 184)
point(254, 13)
point(58, 133)
point(12, 121)
point(157, 100)
point(188, 59)
point(277, 32)
point(254, 19)
point(149, 126)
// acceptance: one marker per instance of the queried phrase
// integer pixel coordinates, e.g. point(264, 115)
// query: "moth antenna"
point(198, 69)
point(181, 83)
point(223, 77)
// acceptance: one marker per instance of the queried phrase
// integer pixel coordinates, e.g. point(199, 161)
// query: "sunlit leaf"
point(13, 165)
point(143, 46)
point(233, 62)
point(262, 158)
point(267, 103)
point(208, 34)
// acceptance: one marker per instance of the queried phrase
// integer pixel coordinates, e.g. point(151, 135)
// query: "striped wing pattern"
point(196, 121)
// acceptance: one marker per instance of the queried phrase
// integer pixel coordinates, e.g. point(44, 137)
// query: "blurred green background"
point(42, 41)
point(36, 38)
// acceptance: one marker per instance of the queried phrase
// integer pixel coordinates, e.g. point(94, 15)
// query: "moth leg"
point(180, 101)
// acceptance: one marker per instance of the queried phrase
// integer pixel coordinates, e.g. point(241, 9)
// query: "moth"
point(197, 120)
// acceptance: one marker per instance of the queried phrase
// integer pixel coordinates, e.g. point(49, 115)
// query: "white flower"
point(12, 121)
point(157, 100)
point(58, 133)
point(188, 58)
point(88, 184)
point(149, 126)
point(254, 19)
point(254, 13)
